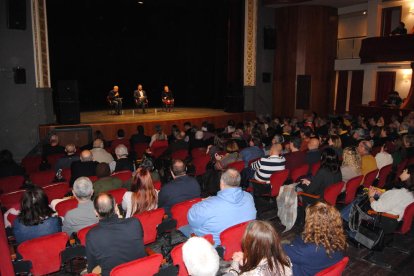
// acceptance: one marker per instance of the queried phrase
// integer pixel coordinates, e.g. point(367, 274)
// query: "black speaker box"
point(67, 90)
point(303, 91)
point(16, 14)
point(19, 75)
point(68, 112)
point(234, 104)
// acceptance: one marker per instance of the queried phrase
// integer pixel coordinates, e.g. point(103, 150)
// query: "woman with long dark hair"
point(262, 253)
point(145, 198)
point(36, 217)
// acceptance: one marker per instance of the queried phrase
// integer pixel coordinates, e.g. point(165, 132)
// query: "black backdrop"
point(182, 43)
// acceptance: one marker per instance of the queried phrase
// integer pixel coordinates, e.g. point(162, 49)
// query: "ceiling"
point(329, 3)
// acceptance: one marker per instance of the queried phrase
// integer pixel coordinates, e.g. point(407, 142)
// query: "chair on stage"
point(168, 104)
point(141, 103)
point(111, 105)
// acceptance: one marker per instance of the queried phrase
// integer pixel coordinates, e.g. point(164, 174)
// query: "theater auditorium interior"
point(289, 125)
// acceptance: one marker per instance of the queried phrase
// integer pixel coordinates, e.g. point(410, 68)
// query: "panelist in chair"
point(167, 98)
point(115, 100)
point(140, 98)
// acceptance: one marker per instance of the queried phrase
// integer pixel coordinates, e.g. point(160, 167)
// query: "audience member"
point(232, 155)
point(36, 218)
point(179, 143)
point(99, 153)
point(9, 167)
point(198, 141)
point(52, 147)
point(181, 188)
point(368, 162)
point(145, 198)
point(399, 30)
point(139, 137)
point(84, 215)
point(351, 164)
point(105, 181)
point(253, 151)
point(68, 159)
point(336, 144)
point(123, 162)
point(159, 135)
point(313, 155)
point(262, 252)
point(322, 242)
point(200, 257)
point(383, 158)
point(120, 140)
point(84, 167)
point(113, 241)
point(213, 215)
point(266, 166)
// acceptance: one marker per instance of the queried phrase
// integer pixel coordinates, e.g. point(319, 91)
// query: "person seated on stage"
point(400, 30)
point(167, 98)
point(140, 98)
point(115, 100)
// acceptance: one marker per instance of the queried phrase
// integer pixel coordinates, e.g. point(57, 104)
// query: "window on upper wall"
point(391, 17)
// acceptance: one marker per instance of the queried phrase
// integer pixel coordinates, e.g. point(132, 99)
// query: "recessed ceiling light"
point(140, 2)
point(364, 12)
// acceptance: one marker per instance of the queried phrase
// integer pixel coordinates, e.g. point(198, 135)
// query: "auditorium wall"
point(23, 106)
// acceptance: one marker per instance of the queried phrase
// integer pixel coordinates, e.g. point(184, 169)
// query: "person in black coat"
point(84, 167)
point(9, 167)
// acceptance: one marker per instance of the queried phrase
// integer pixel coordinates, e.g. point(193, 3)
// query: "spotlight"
point(141, 2)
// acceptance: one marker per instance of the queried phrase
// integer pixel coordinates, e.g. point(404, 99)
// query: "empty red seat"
point(11, 200)
point(146, 266)
point(44, 252)
point(298, 172)
point(139, 149)
point(82, 234)
point(276, 181)
point(351, 188)
point(179, 211)
point(200, 164)
point(64, 206)
point(31, 163)
point(197, 152)
point(66, 174)
point(231, 239)
point(158, 148)
point(332, 191)
point(43, 178)
point(11, 183)
point(383, 174)
point(370, 178)
point(53, 158)
point(118, 194)
point(180, 154)
point(150, 221)
point(57, 190)
point(238, 165)
point(157, 185)
point(334, 270)
point(407, 219)
point(123, 175)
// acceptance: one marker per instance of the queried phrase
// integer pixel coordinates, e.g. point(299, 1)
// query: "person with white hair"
point(83, 215)
point(52, 147)
point(200, 257)
point(99, 153)
point(123, 161)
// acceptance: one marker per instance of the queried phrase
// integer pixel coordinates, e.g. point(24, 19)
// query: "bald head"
point(178, 167)
point(276, 149)
point(70, 149)
point(86, 155)
point(104, 205)
point(313, 144)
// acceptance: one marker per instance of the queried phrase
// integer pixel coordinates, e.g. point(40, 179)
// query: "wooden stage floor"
point(130, 119)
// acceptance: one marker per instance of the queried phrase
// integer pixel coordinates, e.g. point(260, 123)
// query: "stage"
point(108, 123)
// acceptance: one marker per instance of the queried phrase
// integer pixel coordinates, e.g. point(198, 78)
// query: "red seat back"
point(407, 219)
point(276, 181)
point(352, 186)
point(43, 178)
point(123, 175)
point(11, 200)
point(369, 178)
point(11, 183)
point(180, 154)
point(53, 158)
point(231, 239)
point(253, 160)
point(6, 267)
point(315, 167)
point(177, 256)
point(64, 206)
point(200, 164)
point(401, 167)
point(82, 233)
point(157, 185)
point(57, 190)
point(31, 163)
point(179, 211)
point(382, 175)
point(238, 165)
point(149, 265)
point(150, 221)
point(335, 269)
point(67, 174)
point(295, 173)
point(197, 152)
point(140, 149)
point(44, 252)
point(118, 194)
point(332, 191)
point(158, 148)
point(93, 178)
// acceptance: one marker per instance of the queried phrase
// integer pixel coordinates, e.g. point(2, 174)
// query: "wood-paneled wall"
point(305, 45)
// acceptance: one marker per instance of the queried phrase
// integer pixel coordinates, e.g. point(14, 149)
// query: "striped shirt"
point(266, 166)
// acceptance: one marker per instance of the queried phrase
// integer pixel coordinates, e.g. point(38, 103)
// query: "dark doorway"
point(357, 86)
point(385, 85)
point(341, 92)
point(391, 17)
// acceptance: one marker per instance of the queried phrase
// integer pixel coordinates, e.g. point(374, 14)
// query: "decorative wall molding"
point(41, 45)
point(250, 33)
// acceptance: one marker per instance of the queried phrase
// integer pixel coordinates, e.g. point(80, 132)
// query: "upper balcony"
point(387, 49)
point(349, 47)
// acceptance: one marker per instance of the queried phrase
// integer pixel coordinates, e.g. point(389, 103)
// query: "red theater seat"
point(179, 211)
point(11, 183)
point(231, 239)
point(150, 221)
point(57, 190)
point(64, 206)
point(146, 266)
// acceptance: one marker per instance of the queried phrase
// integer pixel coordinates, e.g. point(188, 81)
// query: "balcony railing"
point(348, 47)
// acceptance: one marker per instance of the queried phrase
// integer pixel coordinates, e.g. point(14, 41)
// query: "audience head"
point(406, 178)
point(364, 147)
point(231, 146)
point(295, 143)
point(313, 143)
point(6, 157)
point(103, 170)
point(86, 155)
point(255, 141)
point(352, 158)
point(166, 88)
point(140, 87)
point(335, 141)
point(408, 141)
point(99, 135)
point(105, 205)
point(180, 135)
point(261, 241)
point(200, 257)
point(145, 197)
point(83, 188)
point(276, 149)
point(230, 179)
point(70, 149)
point(187, 125)
point(323, 226)
point(178, 168)
point(121, 151)
point(54, 140)
point(34, 206)
point(98, 143)
point(330, 160)
point(140, 129)
point(199, 135)
point(120, 133)
point(116, 88)
point(278, 139)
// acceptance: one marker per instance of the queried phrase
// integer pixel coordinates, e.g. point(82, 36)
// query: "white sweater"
point(393, 202)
